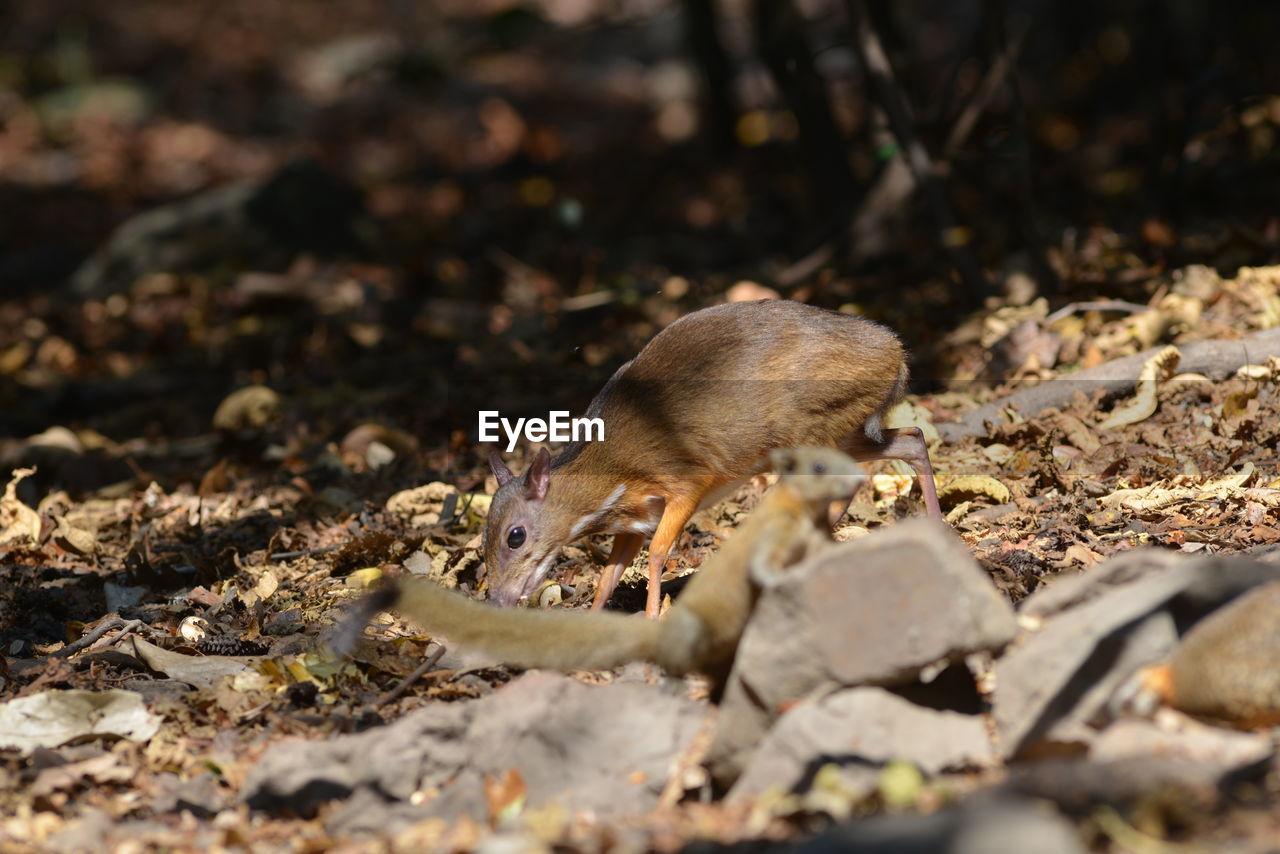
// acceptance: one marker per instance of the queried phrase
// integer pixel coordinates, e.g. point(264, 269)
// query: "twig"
point(127, 629)
point(805, 267)
point(1096, 305)
point(91, 638)
point(398, 691)
point(866, 43)
point(303, 553)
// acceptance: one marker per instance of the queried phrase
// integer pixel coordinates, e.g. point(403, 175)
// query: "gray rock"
point(1115, 660)
point(1223, 750)
point(874, 611)
point(1079, 634)
point(1004, 825)
point(1079, 785)
point(607, 750)
point(861, 729)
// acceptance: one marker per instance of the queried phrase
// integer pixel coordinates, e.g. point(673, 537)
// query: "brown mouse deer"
point(696, 412)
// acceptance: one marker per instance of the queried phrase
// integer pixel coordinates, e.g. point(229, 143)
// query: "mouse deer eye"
point(515, 538)
point(819, 468)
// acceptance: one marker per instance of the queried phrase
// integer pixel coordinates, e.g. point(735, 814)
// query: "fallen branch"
point(1215, 359)
point(107, 625)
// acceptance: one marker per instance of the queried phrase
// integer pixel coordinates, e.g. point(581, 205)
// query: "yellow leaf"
point(364, 578)
point(971, 486)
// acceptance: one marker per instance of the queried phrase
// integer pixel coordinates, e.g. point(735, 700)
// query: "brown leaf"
point(504, 795)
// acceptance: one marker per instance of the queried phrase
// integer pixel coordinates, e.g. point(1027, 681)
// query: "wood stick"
point(1215, 359)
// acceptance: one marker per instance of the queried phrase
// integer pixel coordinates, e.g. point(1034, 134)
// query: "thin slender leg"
point(906, 444)
point(675, 516)
point(625, 548)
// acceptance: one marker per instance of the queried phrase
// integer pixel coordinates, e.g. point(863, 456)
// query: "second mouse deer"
point(696, 412)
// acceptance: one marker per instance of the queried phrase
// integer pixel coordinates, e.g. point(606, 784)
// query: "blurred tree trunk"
point(784, 47)
point(720, 114)
point(886, 92)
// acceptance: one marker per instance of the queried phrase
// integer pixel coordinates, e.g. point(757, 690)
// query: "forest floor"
point(219, 457)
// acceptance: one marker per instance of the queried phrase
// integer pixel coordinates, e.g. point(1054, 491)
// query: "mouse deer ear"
point(538, 477)
point(500, 470)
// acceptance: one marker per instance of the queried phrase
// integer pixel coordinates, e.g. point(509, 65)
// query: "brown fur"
point(1227, 667)
point(696, 411)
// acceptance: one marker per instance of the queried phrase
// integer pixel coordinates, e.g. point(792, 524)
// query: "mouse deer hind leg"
point(899, 443)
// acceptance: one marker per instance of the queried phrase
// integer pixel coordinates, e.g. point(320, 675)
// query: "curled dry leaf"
point(1165, 493)
point(889, 486)
point(249, 408)
point(421, 505)
point(1268, 371)
point(75, 540)
point(1158, 368)
point(19, 524)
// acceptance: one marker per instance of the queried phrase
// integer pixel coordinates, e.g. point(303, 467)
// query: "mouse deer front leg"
point(675, 515)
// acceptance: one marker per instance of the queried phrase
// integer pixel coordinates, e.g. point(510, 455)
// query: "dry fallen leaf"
point(56, 717)
point(202, 671)
point(249, 408)
point(1184, 488)
point(1156, 369)
point(971, 486)
point(19, 524)
point(106, 768)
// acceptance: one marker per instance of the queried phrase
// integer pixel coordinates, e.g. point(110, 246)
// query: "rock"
point(874, 611)
point(862, 729)
point(607, 750)
point(1180, 737)
point(1117, 657)
point(1004, 825)
point(1076, 629)
point(1079, 785)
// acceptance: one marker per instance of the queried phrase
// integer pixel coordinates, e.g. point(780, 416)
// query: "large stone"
point(861, 729)
point(977, 828)
point(606, 750)
point(872, 612)
point(1081, 637)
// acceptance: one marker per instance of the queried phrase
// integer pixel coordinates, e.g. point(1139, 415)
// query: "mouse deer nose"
point(504, 596)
